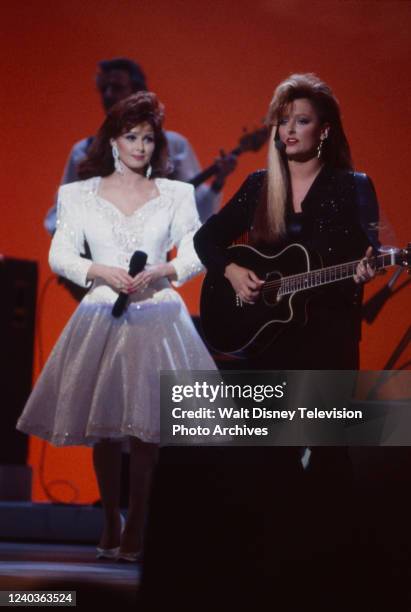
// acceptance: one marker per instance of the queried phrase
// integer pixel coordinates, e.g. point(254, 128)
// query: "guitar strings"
point(349, 266)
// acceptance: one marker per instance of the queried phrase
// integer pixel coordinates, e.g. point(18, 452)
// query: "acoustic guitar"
point(235, 327)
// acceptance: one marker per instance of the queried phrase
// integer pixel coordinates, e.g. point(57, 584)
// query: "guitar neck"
point(331, 274)
point(199, 178)
point(248, 142)
point(208, 172)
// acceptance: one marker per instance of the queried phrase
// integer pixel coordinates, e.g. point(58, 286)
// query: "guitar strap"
point(367, 207)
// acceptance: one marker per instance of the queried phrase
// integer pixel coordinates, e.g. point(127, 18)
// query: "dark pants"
point(236, 528)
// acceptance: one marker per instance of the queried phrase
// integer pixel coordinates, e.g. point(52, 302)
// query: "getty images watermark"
point(286, 408)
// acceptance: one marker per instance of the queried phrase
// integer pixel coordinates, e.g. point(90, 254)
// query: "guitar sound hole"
point(271, 288)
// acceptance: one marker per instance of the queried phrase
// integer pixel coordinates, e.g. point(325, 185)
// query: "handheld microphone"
point(279, 145)
point(137, 262)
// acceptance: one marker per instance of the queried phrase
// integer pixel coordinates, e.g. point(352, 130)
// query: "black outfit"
point(336, 222)
point(239, 527)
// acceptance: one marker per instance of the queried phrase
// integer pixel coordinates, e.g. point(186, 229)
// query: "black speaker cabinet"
point(18, 282)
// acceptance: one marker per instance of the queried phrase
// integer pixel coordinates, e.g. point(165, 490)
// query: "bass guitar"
point(235, 327)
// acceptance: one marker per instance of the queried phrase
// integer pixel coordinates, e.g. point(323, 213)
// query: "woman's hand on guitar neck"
point(245, 282)
point(364, 272)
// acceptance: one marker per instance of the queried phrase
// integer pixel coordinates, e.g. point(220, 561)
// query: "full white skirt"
point(102, 379)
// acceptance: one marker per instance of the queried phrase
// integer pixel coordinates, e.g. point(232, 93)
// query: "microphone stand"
point(387, 370)
point(370, 311)
point(374, 305)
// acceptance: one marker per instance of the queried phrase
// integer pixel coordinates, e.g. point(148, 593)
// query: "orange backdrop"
point(214, 65)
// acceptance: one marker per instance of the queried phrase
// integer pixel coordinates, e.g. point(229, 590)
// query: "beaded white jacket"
point(163, 222)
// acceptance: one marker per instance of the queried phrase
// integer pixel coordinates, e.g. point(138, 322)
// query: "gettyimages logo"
point(290, 408)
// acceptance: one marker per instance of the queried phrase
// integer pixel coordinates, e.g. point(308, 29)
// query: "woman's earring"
point(321, 143)
point(149, 171)
point(320, 147)
point(118, 166)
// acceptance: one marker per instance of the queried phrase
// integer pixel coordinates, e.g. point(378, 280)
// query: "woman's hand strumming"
point(245, 282)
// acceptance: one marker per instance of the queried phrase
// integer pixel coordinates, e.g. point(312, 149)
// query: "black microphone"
point(279, 145)
point(137, 262)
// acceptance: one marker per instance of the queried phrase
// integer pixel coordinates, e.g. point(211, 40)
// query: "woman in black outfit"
point(308, 195)
point(245, 522)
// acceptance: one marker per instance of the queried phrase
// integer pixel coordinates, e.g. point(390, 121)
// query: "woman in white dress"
point(100, 385)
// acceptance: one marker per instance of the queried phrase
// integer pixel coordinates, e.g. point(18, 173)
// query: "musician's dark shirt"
point(336, 222)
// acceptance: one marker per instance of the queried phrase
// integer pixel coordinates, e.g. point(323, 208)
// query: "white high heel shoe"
point(129, 557)
point(107, 553)
point(111, 553)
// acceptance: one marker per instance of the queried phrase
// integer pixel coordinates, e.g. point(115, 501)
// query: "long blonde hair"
point(269, 222)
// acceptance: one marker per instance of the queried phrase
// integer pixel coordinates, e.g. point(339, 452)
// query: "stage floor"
point(68, 567)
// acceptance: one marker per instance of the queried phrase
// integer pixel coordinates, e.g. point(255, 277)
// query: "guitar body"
point(234, 327)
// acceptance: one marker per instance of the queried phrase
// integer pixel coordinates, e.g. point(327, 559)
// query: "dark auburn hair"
point(141, 107)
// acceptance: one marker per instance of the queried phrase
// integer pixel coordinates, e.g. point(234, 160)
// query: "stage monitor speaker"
point(18, 281)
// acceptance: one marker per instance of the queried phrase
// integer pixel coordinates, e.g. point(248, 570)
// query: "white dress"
point(102, 379)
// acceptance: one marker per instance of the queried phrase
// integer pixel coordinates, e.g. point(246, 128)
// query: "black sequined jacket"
point(339, 220)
